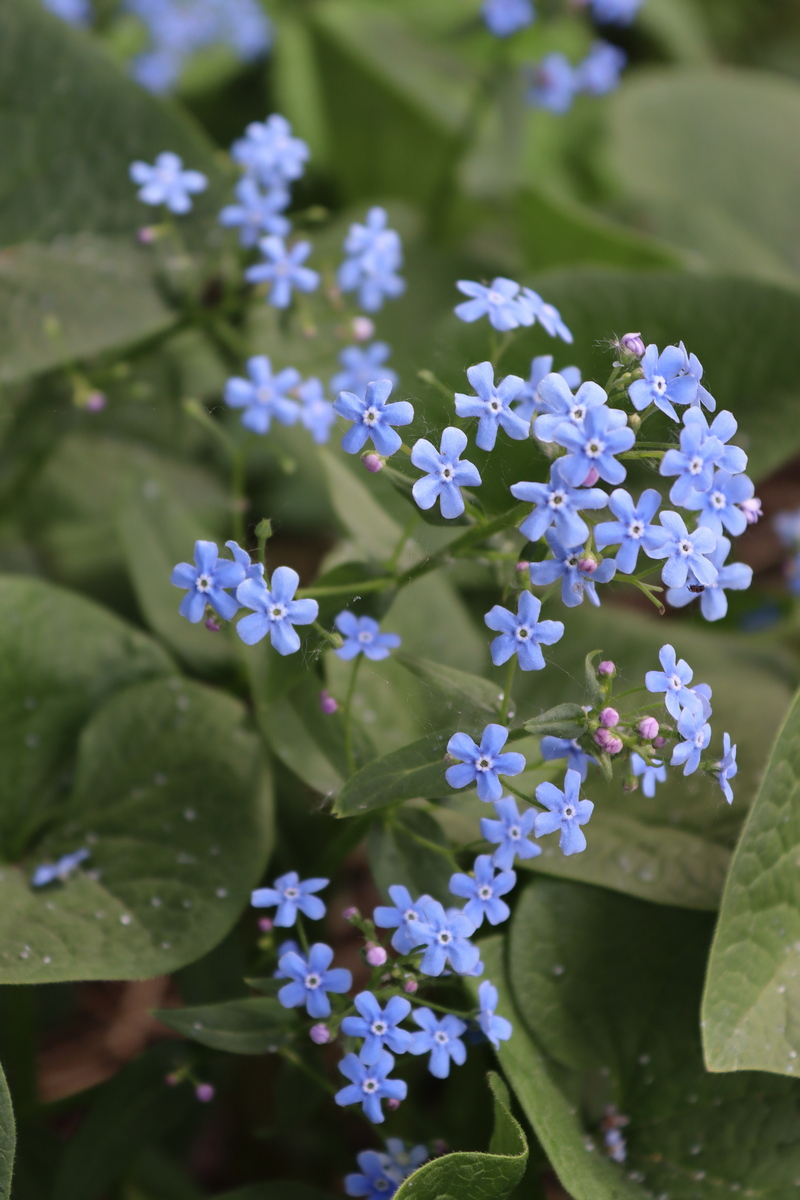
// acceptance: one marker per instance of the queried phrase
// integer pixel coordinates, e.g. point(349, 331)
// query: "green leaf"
point(472, 1175)
point(415, 771)
point(564, 720)
point(467, 697)
point(596, 693)
point(752, 998)
point(53, 180)
point(402, 850)
point(256, 1025)
point(172, 798)
point(276, 1190)
point(8, 1137)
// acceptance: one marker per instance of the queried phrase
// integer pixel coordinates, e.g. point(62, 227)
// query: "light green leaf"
point(416, 770)
point(564, 720)
point(403, 849)
point(255, 1025)
point(297, 84)
point(751, 1007)
point(470, 1175)
point(172, 798)
point(8, 1137)
point(466, 697)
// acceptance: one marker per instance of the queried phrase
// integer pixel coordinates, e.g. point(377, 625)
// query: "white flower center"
point(572, 561)
point(578, 413)
point(494, 406)
point(312, 982)
point(203, 583)
point(557, 499)
point(291, 893)
point(523, 633)
point(370, 1086)
point(485, 892)
point(441, 1037)
point(277, 611)
point(370, 416)
point(515, 833)
point(569, 811)
point(379, 1027)
point(365, 636)
point(484, 763)
point(444, 938)
point(264, 395)
point(718, 500)
point(594, 448)
point(675, 683)
point(659, 384)
point(447, 473)
point(495, 298)
point(696, 465)
point(636, 529)
point(698, 740)
point(409, 915)
point(685, 547)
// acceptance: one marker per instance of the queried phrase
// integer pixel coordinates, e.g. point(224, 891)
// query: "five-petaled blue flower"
point(374, 256)
point(600, 71)
point(275, 611)
point(534, 308)
point(693, 463)
point(370, 1085)
point(46, 872)
point(376, 1181)
point(441, 1038)
point(594, 446)
point(500, 303)
point(311, 980)
point(491, 405)
point(522, 634)
point(378, 1026)
point(633, 529)
point(316, 413)
point(495, 1029)
point(405, 1161)
point(291, 894)
point(674, 681)
point(579, 573)
point(727, 767)
point(446, 473)
point(558, 504)
point(444, 934)
point(665, 382)
point(256, 212)
point(650, 773)
point(482, 764)
point(264, 395)
point(559, 406)
point(75, 12)
point(532, 403)
point(269, 153)
point(363, 636)
point(206, 582)
point(510, 833)
point(720, 504)
point(360, 367)
point(504, 17)
point(567, 812)
point(570, 749)
point(283, 269)
point(685, 552)
point(692, 366)
point(692, 726)
point(372, 418)
point(552, 83)
point(735, 577)
point(723, 427)
point(167, 183)
point(398, 918)
point(483, 890)
point(615, 12)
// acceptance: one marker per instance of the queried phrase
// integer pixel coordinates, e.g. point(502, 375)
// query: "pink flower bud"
point(363, 328)
point(410, 986)
point(393, 1104)
point(376, 955)
point(319, 1034)
point(327, 703)
point(592, 478)
point(751, 509)
point(607, 669)
point(373, 463)
point(204, 1092)
point(607, 741)
point(171, 1080)
point(213, 625)
point(350, 914)
point(588, 564)
point(265, 924)
point(648, 727)
point(522, 565)
point(609, 717)
point(96, 402)
point(659, 743)
point(632, 344)
point(146, 235)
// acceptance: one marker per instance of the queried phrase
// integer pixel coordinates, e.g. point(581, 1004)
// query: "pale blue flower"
point(594, 447)
point(362, 635)
point(665, 381)
point(311, 979)
point(207, 581)
point(727, 767)
point(276, 612)
point(374, 256)
point(446, 473)
point(256, 212)
point(291, 894)
point(47, 872)
point(552, 84)
point(697, 734)
point(558, 504)
point(650, 773)
point(693, 463)
point(483, 764)
point(719, 506)
point(376, 1180)
point(283, 269)
point(75, 12)
point(167, 183)
point(405, 1161)
point(534, 308)
point(600, 71)
point(633, 529)
point(568, 748)
point(685, 552)
point(482, 891)
point(713, 601)
point(492, 405)
point(317, 414)
point(522, 633)
point(269, 152)
point(264, 396)
point(723, 427)
point(510, 833)
point(567, 812)
point(499, 302)
point(362, 365)
point(615, 12)
point(372, 418)
point(560, 407)
point(674, 681)
point(398, 917)
point(692, 366)
point(579, 573)
point(495, 1029)
point(532, 403)
point(379, 1027)
point(504, 17)
point(441, 1038)
point(444, 936)
point(370, 1085)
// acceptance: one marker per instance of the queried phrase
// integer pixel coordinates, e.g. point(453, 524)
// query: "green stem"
point(401, 544)
point(512, 666)
point(501, 347)
point(442, 1008)
point(294, 1058)
point(348, 723)
point(238, 490)
point(301, 933)
point(434, 381)
point(335, 639)
point(659, 454)
point(429, 845)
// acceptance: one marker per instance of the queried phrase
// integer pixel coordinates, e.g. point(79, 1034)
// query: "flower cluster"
point(380, 1173)
point(553, 83)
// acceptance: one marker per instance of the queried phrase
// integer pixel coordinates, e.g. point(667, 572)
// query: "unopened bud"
point(522, 565)
point(588, 564)
point(609, 717)
point(363, 328)
point(607, 669)
point(171, 1080)
point(607, 741)
point(659, 743)
point(96, 402)
point(410, 986)
point(592, 478)
point(376, 955)
point(204, 1092)
point(751, 509)
point(635, 421)
point(393, 1104)
point(648, 727)
point(373, 463)
point(632, 344)
point(213, 625)
point(351, 913)
point(265, 924)
point(146, 235)
point(319, 1034)
point(327, 703)
point(439, 1147)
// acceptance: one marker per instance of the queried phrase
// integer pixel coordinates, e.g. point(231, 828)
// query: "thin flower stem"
point(401, 544)
point(434, 381)
point(512, 667)
point(335, 639)
point(520, 795)
point(429, 845)
point(348, 723)
point(294, 1058)
point(301, 933)
point(659, 454)
point(501, 347)
point(454, 1012)
point(238, 491)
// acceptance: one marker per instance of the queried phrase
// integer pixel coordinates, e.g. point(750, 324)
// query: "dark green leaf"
point(402, 849)
point(8, 1137)
point(467, 697)
point(565, 721)
point(415, 771)
point(276, 1190)
point(256, 1025)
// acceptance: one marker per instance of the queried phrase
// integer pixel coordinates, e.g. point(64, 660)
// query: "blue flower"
point(692, 366)
point(491, 405)
point(482, 764)
point(264, 395)
point(285, 947)
point(378, 1026)
point(570, 749)
point(693, 463)
point(504, 17)
point(615, 12)
point(651, 773)
point(720, 504)
point(370, 1085)
point(532, 403)
point(685, 552)
point(291, 895)
point(446, 473)
point(665, 382)
point(363, 636)
point(713, 601)
point(693, 728)
point(374, 256)
point(499, 302)
point(257, 212)
point(633, 529)
point(723, 427)
point(178, 29)
point(283, 270)
point(46, 872)
point(372, 416)
point(483, 890)
point(567, 812)
point(252, 570)
point(727, 767)
point(76, 12)
point(404, 1161)
point(317, 413)
point(362, 366)
point(398, 918)
point(269, 153)
point(311, 980)
point(674, 681)
point(534, 308)
point(579, 573)
point(600, 71)
point(594, 446)
point(552, 84)
point(522, 634)
point(444, 934)
point(557, 504)
point(561, 407)
point(375, 1181)
point(275, 611)
point(206, 582)
point(167, 183)
point(441, 1037)
point(496, 1029)
point(510, 833)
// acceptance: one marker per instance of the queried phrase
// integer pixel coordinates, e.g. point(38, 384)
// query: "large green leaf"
point(470, 1175)
point(172, 799)
point(410, 848)
point(751, 1007)
point(72, 123)
point(416, 770)
point(8, 1137)
point(255, 1025)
